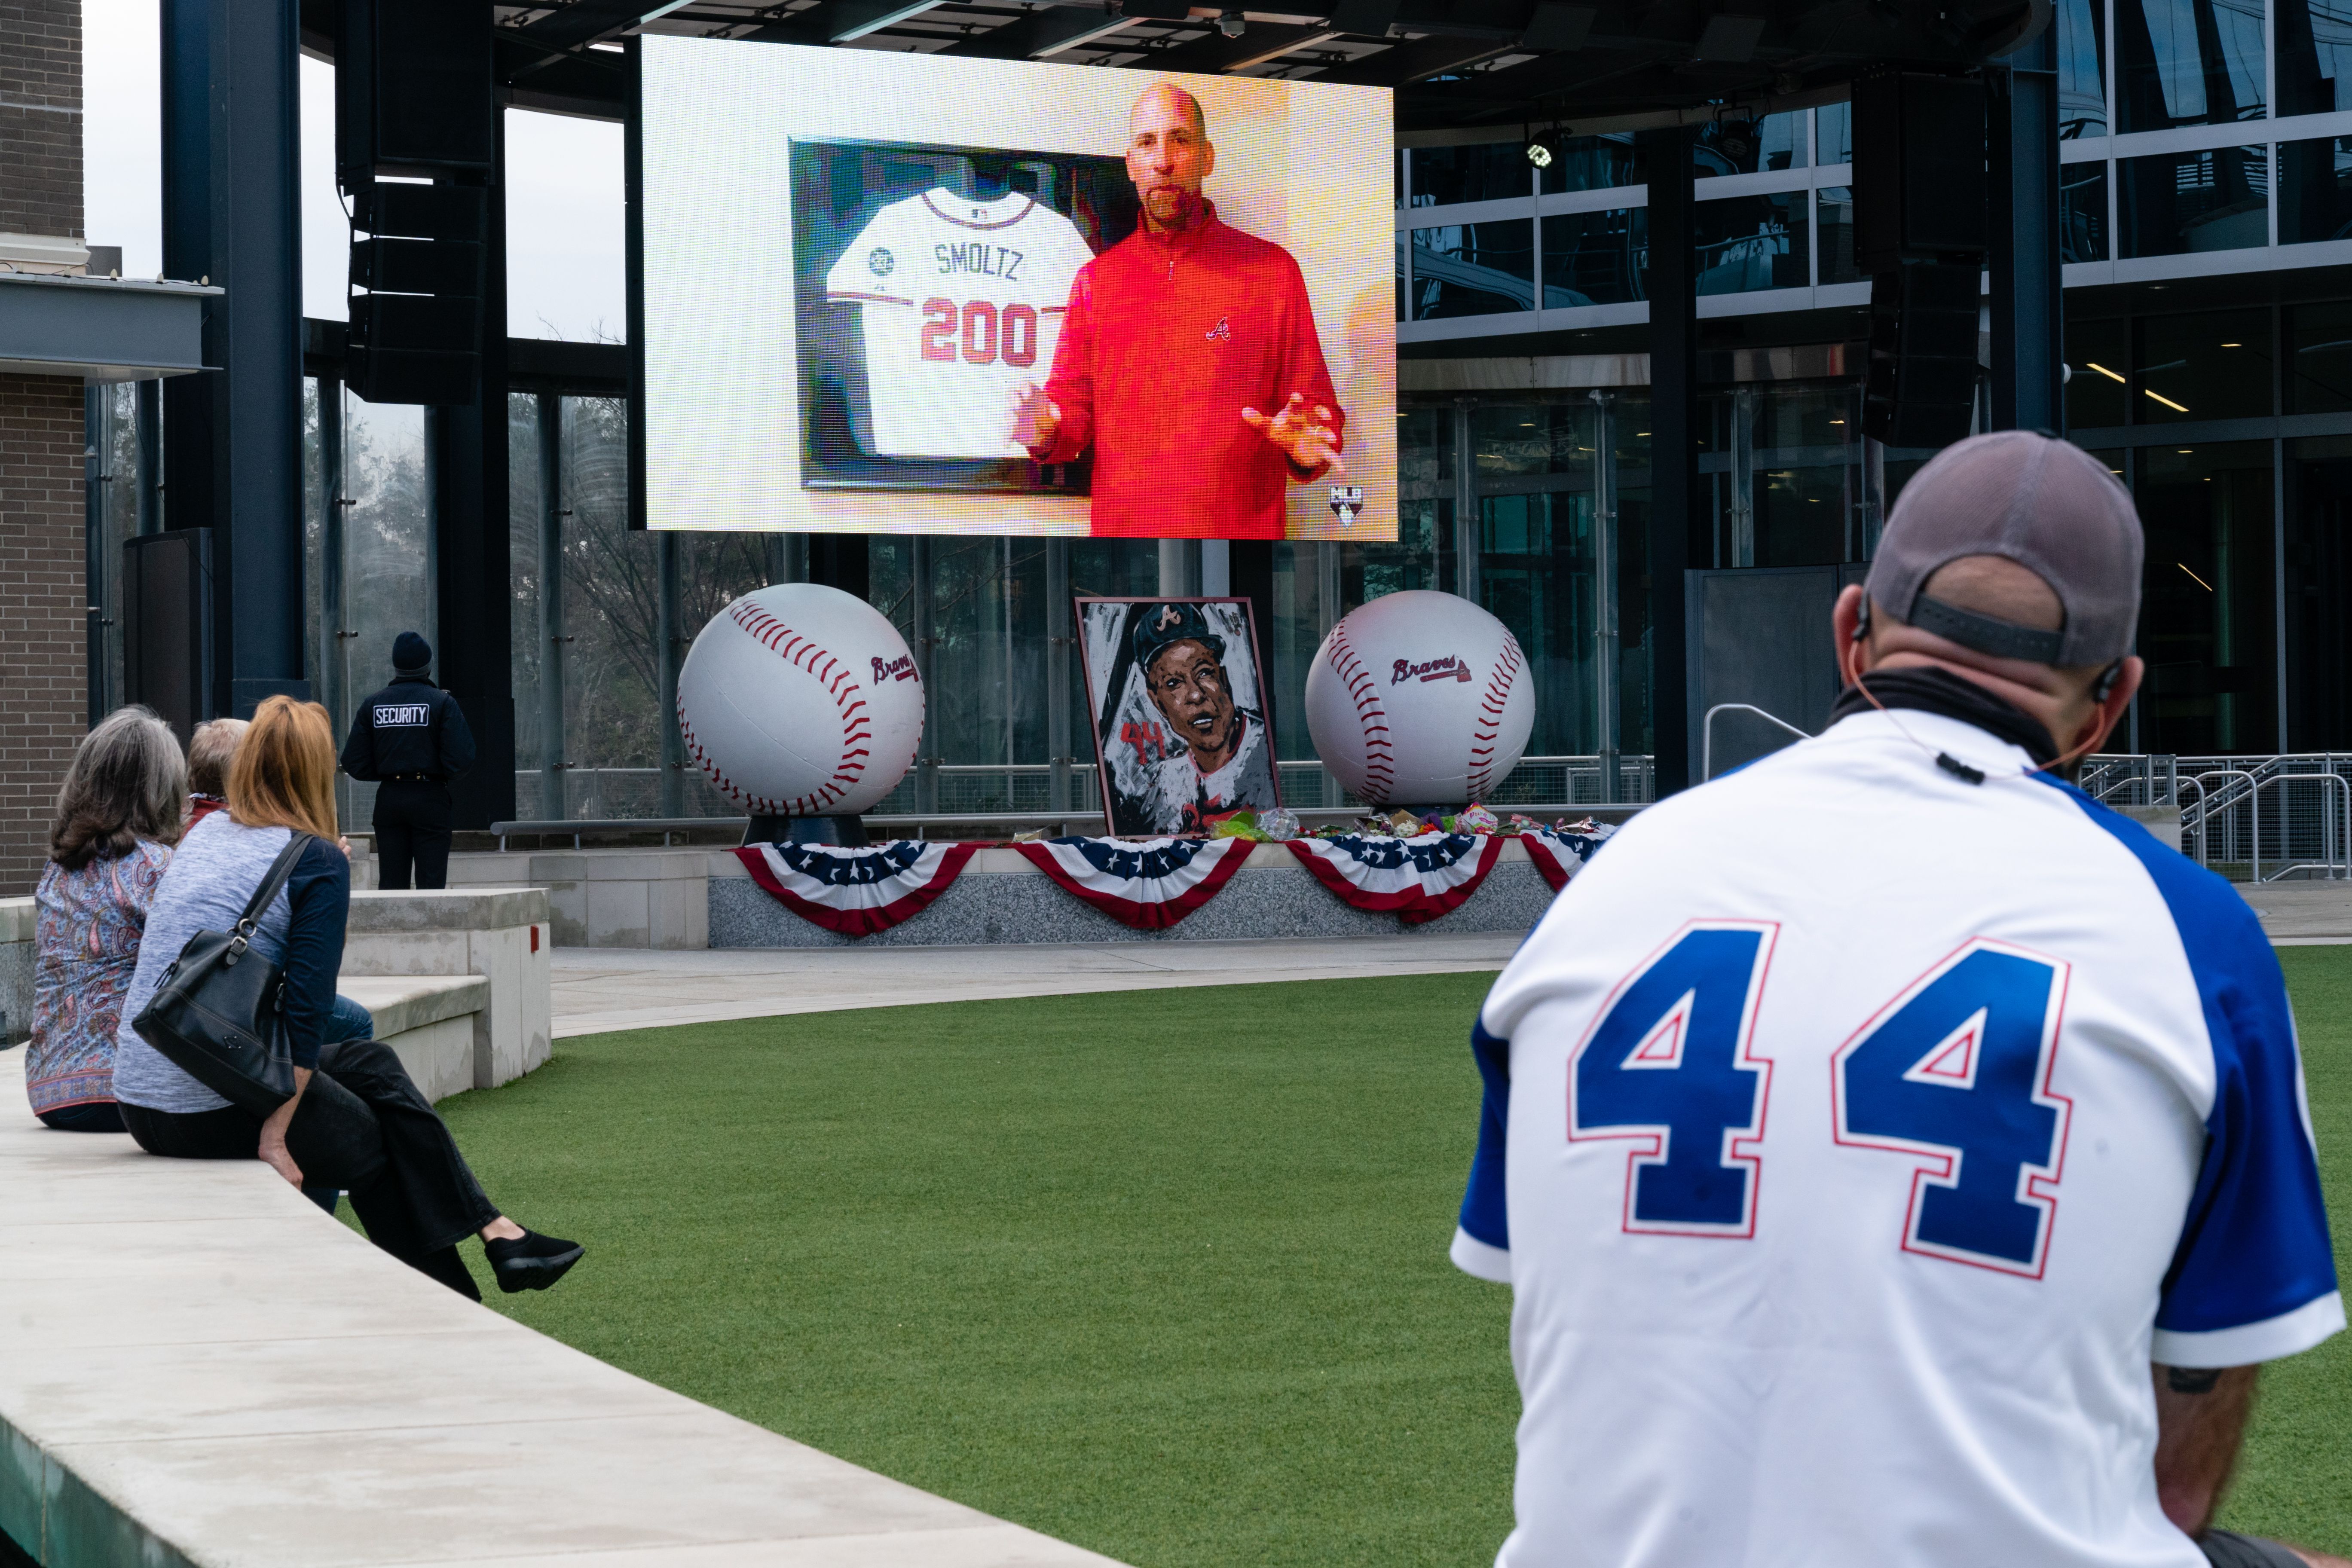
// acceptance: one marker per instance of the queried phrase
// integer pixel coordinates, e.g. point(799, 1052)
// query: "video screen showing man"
point(1188, 363)
point(1182, 728)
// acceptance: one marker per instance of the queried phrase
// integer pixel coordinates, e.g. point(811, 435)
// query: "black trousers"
point(366, 1127)
point(412, 831)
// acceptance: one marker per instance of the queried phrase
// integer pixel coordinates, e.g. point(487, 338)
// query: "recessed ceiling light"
point(2233, 345)
point(2103, 370)
point(2186, 450)
point(2176, 407)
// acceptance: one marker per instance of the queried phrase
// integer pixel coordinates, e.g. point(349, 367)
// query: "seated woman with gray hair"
point(117, 817)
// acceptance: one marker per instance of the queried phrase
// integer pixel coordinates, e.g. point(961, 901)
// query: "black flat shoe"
point(532, 1263)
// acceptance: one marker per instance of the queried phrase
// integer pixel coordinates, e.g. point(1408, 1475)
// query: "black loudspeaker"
point(1922, 384)
point(1918, 169)
point(413, 98)
point(413, 91)
point(167, 626)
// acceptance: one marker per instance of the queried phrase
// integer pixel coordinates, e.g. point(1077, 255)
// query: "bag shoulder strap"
point(280, 869)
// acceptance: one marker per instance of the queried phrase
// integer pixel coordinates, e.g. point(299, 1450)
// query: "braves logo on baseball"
point(896, 669)
point(1450, 667)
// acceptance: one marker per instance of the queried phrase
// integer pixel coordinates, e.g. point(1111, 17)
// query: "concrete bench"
point(430, 1021)
point(17, 917)
point(500, 936)
point(202, 1368)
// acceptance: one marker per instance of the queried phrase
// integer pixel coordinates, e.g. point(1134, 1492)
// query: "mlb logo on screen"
point(1347, 500)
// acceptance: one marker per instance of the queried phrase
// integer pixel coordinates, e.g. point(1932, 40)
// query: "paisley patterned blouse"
point(86, 946)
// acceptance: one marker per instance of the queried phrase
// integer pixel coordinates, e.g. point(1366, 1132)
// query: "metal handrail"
point(1706, 733)
point(2252, 798)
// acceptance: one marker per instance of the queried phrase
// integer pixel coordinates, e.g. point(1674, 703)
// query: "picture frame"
point(1176, 762)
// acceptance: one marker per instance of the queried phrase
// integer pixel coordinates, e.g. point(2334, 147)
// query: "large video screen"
point(886, 292)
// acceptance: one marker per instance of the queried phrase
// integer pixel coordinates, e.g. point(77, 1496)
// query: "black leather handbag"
point(219, 1014)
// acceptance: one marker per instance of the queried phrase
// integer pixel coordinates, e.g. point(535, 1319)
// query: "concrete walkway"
point(602, 989)
point(201, 1368)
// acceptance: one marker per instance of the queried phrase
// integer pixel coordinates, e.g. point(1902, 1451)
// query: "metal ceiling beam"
point(1416, 58)
point(838, 21)
point(585, 22)
point(1041, 35)
point(1258, 44)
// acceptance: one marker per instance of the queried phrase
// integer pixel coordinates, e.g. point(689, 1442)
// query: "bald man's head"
point(1168, 155)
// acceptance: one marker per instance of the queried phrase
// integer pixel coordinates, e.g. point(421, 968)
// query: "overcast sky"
point(564, 264)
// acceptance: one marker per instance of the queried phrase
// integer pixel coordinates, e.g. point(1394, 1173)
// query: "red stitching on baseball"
point(791, 647)
point(1371, 719)
point(1497, 701)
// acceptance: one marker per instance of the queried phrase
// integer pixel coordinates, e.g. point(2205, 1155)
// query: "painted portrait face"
point(1189, 687)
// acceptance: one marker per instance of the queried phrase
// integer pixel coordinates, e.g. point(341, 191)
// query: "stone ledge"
point(19, 918)
point(399, 1003)
point(470, 908)
point(202, 1369)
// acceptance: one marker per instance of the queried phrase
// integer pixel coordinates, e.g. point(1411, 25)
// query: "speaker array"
point(1919, 230)
point(415, 144)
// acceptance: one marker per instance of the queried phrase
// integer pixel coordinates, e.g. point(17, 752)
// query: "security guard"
point(411, 739)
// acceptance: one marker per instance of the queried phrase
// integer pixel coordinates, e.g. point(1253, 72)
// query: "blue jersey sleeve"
point(2255, 1276)
point(1482, 1243)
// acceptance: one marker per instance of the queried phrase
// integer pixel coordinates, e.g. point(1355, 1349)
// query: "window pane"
point(2314, 58)
point(2187, 62)
point(1746, 242)
point(387, 586)
point(1594, 163)
point(2207, 612)
point(1794, 423)
point(1740, 146)
point(1536, 575)
point(1596, 259)
point(1491, 171)
point(2314, 190)
point(1834, 134)
point(1837, 235)
point(1473, 270)
point(2183, 202)
point(537, 794)
point(1509, 442)
point(2099, 387)
point(2319, 359)
point(2082, 212)
point(2082, 68)
point(2319, 593)
point(2213, 366)
point(1802, 514)
point(613, 715)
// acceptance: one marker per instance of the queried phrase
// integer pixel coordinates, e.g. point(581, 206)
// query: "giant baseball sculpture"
point(800, 700)
point(1420, 699)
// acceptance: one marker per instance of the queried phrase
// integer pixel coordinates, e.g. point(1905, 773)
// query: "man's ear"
point(1849, 632)
point(1208, 159)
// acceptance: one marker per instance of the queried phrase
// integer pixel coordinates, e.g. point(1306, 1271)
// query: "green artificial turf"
point(1159, 1273)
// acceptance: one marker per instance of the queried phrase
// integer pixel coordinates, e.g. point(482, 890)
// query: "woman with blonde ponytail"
point(356, 1123)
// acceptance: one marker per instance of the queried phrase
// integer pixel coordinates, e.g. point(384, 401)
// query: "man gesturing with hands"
point(1188, 363)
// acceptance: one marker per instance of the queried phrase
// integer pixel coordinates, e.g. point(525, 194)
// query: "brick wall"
point(40, 116)
point(42, 702)
point(42, 695)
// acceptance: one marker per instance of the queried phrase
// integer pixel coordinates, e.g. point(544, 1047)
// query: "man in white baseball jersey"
point(961, 301)
point(1898, 1158)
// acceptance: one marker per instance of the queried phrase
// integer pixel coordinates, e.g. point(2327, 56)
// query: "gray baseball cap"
point(2047, 505)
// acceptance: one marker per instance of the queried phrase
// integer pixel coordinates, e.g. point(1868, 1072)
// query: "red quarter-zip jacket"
point(1169, 337)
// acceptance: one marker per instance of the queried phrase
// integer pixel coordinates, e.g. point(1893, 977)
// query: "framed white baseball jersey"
point(1854, 1136)
point(961, 302)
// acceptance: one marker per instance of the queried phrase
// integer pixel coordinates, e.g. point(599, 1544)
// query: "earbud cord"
point(1952, 764)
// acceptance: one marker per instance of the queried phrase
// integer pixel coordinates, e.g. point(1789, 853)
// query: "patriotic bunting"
point(1416, 880)
point(1150, 884)
point(1560, 855)
point(856, 892)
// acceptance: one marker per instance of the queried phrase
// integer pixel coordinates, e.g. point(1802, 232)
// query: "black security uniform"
point(411, 739)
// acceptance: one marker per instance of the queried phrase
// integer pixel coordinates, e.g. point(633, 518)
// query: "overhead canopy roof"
point(1464, 70)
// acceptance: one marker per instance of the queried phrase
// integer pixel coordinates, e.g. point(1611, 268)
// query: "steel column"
point(234, 459)
point(467, 456)
point(1061, 629)
point(2023, 228)
point(554, 797)
point(1677, 524)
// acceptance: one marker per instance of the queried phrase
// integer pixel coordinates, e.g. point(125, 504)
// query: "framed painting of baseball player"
point(1180, 713)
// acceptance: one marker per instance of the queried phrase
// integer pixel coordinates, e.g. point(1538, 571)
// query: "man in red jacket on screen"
point(1188, 361)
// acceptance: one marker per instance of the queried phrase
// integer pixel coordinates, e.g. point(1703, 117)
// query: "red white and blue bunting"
point(856, 892)
point(1415, 879)
point(1560, 855)
point(1150, 884)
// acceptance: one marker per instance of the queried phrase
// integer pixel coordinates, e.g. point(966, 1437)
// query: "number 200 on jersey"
point(978, 332)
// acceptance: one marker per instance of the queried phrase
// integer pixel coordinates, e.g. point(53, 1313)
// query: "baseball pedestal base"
point(842, 832)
